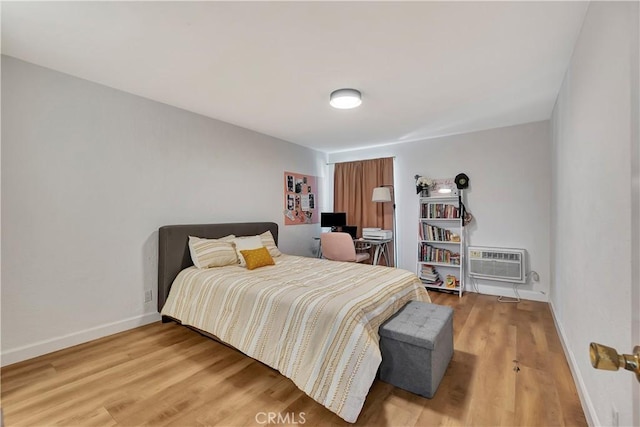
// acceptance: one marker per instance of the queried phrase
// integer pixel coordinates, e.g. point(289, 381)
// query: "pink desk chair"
point(340, 247)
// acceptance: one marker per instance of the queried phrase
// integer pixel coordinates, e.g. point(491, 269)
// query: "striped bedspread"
point(315, 321)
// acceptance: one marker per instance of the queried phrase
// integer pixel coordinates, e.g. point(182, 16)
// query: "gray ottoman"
point(417, 346)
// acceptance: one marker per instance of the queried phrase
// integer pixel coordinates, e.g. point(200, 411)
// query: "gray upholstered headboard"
point(173, 251)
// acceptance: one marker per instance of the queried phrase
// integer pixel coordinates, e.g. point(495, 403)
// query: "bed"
point(315, 321)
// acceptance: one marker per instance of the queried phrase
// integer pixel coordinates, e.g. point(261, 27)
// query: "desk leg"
point(384, 252)
point(376, 255)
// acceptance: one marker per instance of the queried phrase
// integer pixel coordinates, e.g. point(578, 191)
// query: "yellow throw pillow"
point(257, 258)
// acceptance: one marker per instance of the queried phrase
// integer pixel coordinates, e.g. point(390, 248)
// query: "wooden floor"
point(508, 369)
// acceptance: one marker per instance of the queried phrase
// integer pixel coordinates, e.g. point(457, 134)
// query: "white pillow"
point(270, 243)
point(206, 253)
point(249, 242)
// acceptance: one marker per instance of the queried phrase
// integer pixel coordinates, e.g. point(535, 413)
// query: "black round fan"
point(462, 181)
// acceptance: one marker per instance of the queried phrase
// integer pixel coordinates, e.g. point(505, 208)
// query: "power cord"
point(534, 275)
point(475, 284)
point(530, 275)
point(509, 299)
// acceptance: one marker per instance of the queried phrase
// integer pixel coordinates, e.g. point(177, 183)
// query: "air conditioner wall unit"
point(503, 264)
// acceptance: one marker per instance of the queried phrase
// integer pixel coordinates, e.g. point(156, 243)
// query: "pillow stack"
point(249, 251)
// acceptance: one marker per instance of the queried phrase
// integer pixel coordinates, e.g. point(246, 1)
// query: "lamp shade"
point(345, 98)
point(381, 194)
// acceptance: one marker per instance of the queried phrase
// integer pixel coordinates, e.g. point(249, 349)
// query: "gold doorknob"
point(607, 358)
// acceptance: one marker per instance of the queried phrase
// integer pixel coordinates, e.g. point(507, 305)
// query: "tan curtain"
point(352, 190)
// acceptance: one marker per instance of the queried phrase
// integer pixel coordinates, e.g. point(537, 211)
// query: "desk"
point(382, 249)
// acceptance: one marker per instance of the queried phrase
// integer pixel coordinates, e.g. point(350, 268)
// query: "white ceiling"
point(425, 69)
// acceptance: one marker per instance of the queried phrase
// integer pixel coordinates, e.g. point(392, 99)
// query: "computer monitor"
point(333, 219)
point(351, 229)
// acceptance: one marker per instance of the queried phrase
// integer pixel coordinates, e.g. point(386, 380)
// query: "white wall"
point(509, 192)
point(591, 151)
point(89, 173)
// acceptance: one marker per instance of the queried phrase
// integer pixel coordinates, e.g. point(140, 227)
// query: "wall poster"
point(300, 199)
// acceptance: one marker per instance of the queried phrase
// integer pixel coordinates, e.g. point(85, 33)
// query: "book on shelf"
point(436, 283)
point(429, 275)
point(426, 268)
point(430, 253)
point(451, 282)
point(439, 210)
point(437, 234)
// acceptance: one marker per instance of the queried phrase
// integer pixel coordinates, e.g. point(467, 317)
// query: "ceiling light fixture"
point(345, 98)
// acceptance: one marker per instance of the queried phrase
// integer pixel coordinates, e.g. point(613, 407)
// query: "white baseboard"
point(507, 292)
point(587, 405)
point(58, 343)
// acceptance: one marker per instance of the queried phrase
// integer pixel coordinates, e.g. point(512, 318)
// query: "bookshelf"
point(441, 247)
